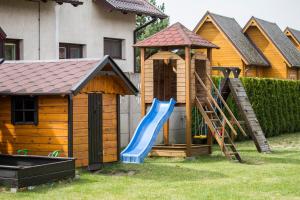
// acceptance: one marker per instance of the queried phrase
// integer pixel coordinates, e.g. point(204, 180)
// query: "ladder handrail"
point(227, 107)
point(209, 123)
point(215, 132)
point(216, 104)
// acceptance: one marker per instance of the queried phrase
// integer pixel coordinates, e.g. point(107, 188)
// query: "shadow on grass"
point(168, 172)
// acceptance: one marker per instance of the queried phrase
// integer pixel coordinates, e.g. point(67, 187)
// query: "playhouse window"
point(24, 110)
point(165, 79)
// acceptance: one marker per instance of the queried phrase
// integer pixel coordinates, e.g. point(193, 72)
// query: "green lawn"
point(263, 176)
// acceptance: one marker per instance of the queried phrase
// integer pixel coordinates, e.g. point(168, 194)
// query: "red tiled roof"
point(140, 7)
point(2, 34)
point(175, 36)
point(52, 77)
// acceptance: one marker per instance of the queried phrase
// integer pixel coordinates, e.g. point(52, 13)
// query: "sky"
point(189, 12)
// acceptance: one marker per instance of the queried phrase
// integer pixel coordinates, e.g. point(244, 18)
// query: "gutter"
point(135, 38)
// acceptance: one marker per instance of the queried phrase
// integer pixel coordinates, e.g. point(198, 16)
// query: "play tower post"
point(188, 103)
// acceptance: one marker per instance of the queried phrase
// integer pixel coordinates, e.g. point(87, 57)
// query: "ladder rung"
point(209, 111)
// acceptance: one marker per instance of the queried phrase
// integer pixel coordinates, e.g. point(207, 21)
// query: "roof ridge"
point(211, 13)
point(256, 18)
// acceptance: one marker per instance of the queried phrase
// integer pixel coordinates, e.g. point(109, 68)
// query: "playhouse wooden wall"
point(149, 78)
point(196, 89)
point(202, 71)
point(278, 68)
point(109, 129)
point(49, 135)
point(111, 86)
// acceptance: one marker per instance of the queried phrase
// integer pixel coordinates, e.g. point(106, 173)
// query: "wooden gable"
point(278, 63)
point(227, 54)
point(292, 38)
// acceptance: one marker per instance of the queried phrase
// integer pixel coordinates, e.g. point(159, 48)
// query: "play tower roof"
point(176, 35)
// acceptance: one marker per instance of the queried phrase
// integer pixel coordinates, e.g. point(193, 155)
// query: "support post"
point(209, 55)
point(188, 131)
point(209, 135)
point(143, 106)
point(166, 133)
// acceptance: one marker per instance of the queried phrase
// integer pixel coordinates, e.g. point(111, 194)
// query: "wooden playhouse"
point(67, 106)
point(177, 70)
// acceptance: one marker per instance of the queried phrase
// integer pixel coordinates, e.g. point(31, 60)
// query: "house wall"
point(49, 135)
point(278, 67)
point(87, 24)
point(226, 55)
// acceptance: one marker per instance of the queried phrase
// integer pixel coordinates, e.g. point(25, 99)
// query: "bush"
point(276, 104)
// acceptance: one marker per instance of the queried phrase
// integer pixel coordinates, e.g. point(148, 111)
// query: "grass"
point(263, 176)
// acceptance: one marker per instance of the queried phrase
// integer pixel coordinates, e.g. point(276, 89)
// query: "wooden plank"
point(188, 102)
point(143, 106)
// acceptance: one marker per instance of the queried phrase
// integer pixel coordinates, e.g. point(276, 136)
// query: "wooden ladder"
point(216, 121)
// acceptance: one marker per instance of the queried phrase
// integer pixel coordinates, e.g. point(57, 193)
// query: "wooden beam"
point(143, 105)
point(209, 54)
point(188, 131)
point(166, 133)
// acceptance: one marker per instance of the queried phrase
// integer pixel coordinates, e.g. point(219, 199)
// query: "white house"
point(67, 29)
point(46, 30)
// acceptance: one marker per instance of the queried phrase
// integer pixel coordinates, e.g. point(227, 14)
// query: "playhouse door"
point(95, 131)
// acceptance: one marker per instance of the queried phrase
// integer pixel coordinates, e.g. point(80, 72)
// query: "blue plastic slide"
point(146, 133)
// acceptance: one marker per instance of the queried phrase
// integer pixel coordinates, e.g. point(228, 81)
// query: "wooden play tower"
point(179, 70)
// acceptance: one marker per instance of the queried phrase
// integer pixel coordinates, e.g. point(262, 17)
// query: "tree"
point(154, 27)
point(151, 29)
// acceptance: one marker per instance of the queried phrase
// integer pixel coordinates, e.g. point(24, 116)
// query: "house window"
point(70, 51)
point(24, 110)
point(113, 47)
point(12, 49)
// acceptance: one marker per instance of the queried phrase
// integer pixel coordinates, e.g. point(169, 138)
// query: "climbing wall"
point(240, 96)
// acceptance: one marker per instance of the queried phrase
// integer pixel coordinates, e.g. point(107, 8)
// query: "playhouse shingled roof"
point(176, 35)
point(233, 31)
point(54, 77)
point(294, 32)
point(282, 43)
point(140, 7)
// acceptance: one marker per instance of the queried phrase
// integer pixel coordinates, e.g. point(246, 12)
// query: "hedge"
point(275, 102)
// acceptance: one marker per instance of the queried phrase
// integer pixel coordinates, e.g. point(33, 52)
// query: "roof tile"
point(283, 44)
point(174, 36)
point(142, 7)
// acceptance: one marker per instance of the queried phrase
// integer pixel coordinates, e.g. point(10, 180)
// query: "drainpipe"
point(135, 38)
